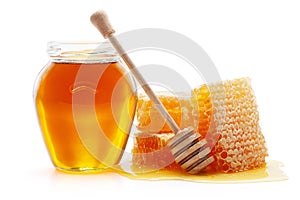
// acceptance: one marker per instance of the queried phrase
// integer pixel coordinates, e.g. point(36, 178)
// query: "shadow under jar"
point(85, 101)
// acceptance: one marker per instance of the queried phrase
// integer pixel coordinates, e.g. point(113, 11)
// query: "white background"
point(258, 38)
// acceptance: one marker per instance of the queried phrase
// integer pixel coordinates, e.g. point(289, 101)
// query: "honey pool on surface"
point(271, 172)
point(73, 100)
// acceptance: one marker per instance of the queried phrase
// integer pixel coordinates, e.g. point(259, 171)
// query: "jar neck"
point(82, 52)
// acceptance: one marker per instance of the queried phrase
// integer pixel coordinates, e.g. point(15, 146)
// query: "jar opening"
point(82, 52)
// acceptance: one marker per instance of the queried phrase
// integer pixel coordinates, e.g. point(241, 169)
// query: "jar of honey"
point(85, 102)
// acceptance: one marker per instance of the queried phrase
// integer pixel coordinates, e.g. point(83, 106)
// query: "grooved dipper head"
point(101, 22)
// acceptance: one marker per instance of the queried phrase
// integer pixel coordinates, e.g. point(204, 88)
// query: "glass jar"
point(85, 103)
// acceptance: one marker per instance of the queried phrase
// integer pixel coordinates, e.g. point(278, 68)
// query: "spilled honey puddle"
point(271, 172)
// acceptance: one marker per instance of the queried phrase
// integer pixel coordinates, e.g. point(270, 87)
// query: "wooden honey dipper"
point(188, 151)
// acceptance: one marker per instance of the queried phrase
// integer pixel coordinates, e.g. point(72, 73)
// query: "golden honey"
point(271, 172)
point(85, 108)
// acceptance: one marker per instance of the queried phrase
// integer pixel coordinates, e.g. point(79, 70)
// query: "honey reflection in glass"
point(75, 141)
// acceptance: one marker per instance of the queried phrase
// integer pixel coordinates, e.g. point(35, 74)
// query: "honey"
point(85, 111)
point(271, 172)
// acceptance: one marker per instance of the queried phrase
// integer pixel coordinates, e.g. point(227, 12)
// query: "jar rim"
point(81, 52)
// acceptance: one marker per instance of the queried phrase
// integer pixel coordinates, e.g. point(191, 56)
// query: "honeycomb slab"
point(225, 114)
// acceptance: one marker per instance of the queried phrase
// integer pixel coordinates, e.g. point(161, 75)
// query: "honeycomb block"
point(226, 115)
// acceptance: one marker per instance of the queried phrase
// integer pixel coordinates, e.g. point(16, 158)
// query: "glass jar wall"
point(85, 103)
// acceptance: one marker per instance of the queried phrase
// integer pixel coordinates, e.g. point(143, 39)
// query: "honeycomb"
point(179, 107)
point(150, 151)
point(226, 115)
